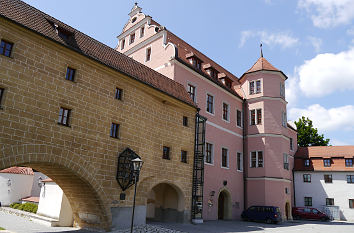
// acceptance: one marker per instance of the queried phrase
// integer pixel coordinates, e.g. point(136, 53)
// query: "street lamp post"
point(137, 164)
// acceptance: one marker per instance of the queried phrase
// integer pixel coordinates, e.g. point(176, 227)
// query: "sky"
point(311, 41)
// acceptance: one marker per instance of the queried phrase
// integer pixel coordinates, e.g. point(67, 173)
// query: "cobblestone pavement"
point(17, 224)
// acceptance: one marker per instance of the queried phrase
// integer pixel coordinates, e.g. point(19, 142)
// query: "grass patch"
point(29, 207)
point(1, 229)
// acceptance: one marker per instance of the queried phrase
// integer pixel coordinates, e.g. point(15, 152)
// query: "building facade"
point(324, 179)
point(249, 146)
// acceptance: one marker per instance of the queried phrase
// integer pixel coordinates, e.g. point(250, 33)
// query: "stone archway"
point(224, 205)
point(165, 203)
point(86, 196)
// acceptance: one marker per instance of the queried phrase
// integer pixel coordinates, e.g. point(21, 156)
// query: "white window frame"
point(206, 107)
point(283, 118)
point(254, 87)
point(286, 160)
point(255, 117)
point(227, 158)
point(195, 90)
point(241, 161)
point(257, 151)
point(260, 86)
point(241, 118)
point(212, 153)
point(228, 112)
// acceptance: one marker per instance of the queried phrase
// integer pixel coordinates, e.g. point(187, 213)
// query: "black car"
point(269, 214)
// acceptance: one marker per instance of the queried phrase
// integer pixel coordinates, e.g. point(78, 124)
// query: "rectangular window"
point(209, 153)
point(64, 115)
point(308, 201)
point(291, 144)
point(239, 118)
point(132, 38)
point(166, 152)
point(185, 121)
point(196, 63)
point(286, 161)
point(253, 117)
point(142, 31)
point(251, 87)
point(350, 179)
point(348, 162)
point(258, 86)
point(259, 116)
point(2, 90)
point(327, 162)
point(114, 130)
point(306, 162)
point(191, 91)
point(351, 203)
point(329, 201)
point(148, 54)
point(307, 178)
point(224, 157)
point(260, 158)
point(6, 48)
point(70, 74)
point(225, 111)
point(239, 161)
point(327, 178)
point(183, 156)
point(119, 93)
point(283, 118)
point(282, 90)
point(210, 103)
point(253, 159)
point(122, 44)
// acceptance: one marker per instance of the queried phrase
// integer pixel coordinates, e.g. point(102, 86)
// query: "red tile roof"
point(18, 170)
point(31, 199)
point(43, 24)
point(262, 64)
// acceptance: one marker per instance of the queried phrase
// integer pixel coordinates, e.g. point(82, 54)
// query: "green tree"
point(307, 135)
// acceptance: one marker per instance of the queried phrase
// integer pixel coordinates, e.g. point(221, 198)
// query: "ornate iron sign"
point(125, 171)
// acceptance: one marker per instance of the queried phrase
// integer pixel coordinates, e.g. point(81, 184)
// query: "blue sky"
point(311, 41)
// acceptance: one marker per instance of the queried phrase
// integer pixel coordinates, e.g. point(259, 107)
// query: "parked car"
point(269, 214)
point(308, 213)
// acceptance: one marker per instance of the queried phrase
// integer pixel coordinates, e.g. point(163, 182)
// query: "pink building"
point(249, 146)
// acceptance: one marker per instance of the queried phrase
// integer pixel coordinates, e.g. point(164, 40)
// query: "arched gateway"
point(224, 205)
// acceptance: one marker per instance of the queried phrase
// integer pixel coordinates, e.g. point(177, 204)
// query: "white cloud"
point(327, 73)
point(283, 39)
point(332, 119)
point(316, 43)
point(336, 142)
point(291, 90)
point(328, 13)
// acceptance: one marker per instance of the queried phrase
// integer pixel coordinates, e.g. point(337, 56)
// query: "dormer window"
point(213, 73)
point(132, 38)
point(196, 63)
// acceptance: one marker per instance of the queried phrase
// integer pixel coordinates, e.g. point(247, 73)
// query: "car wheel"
point(269, 221)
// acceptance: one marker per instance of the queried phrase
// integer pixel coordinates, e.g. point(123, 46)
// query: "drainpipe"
point(244, 115)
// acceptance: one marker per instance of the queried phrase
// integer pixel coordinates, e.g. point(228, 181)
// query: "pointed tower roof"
point(262, 64)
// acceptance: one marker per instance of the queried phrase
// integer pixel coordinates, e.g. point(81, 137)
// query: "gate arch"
point(72, 173)
point(224, 205)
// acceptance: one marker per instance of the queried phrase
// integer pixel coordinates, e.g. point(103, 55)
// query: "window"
point(213, 73)
point(114, 130)
point(64, 115)
point(259, 116)
point(306, 162)
point(196, 63)
point(209, 153)
point(132, 38)
point(224, 157)
point(239, 159)
point(225, 111)
point(251, 87)
point(191, 91)
point(166, 152)
point(327, 162)
point(183, 156)
point(308, 201)
point(286, 161)
point(118, 94)
point(185, 121)
point(329, 201)
point(253, 117)
point(350, 179)
point(286, 190)
point(238, 118)
point(327, 178)
point(6, 48)
point(282, 90)
point(256, 159)
point(348, 162)
point(291, 144)
point(307, 178)
point(148, 54)
point(122, 44)
point(351, 203)
point(142, 31)
point(258, 86)
point(283, 119)
point(2, 90)
point(210, 103)
point(70, 74)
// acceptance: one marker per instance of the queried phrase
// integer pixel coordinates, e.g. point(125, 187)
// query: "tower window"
point(122, 44)
point(114, 130)
point(258, 86)
point(142, 31)
point(132, 38)
point(148, 54)
point(64, 115)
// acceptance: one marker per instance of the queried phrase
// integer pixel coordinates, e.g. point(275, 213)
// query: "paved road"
point(18, 224)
